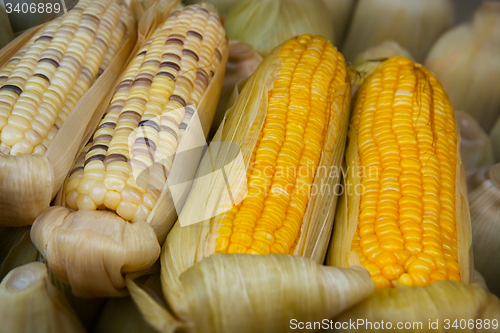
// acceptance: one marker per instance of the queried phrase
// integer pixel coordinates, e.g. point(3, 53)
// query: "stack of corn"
point(39, 88)
point(408, 225)
point(118, 186)
point(289, 124)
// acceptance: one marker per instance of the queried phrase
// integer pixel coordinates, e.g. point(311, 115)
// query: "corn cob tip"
point(30, 303)
point(71, 242)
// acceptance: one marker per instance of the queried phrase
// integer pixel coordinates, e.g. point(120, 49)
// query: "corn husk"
point(484, 200)
point(248, 293)
point(346, 220)
point(120, 315)
point(87, 309)
point(223, 6)
point(71, 242)
point(30, 303)
point(369, 60)
point(93, 250)
point(139, 7)
point(465, 60)
point(188, 243)
point(241, 63)
point(28, 183)
point(414, 24)
point(264, 24)
point(340, 13)
point(6, 34)
point(475, 146)
point(479, 280)
point(444, 302)
point(145, 289)
point(495, 139)
point(16, 249)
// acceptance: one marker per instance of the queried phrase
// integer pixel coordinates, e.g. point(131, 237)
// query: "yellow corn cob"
point(41, 85)
point(158, 93)
point(269, 218)
point(407, 218)
point(287, 149)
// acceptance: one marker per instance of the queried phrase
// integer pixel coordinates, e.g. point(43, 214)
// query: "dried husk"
point(145, 289)
point(484, 201)
point(86, 309)
point(30, 303)
point(223, 6)
point(346, 220)
point(6, 34)
point(248, 293)
point(26, 186)
point(139, 7)
point(241, 63)
point(475, 146)
point(120, 315)
point(28, 183)
point(187, 244)
point(479, 279)
point(465, 60)
point(495, 139)
point(369, 60)
point(441, 301)
point(16, 249)
point(93, 250)
point(267, 23)
point(340, 13)
point(414, 24)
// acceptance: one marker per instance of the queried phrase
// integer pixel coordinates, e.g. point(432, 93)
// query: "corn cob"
point(159, 93)
point(121, 175)
point(40, 89)
point(405, 217)
point(287, 150)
